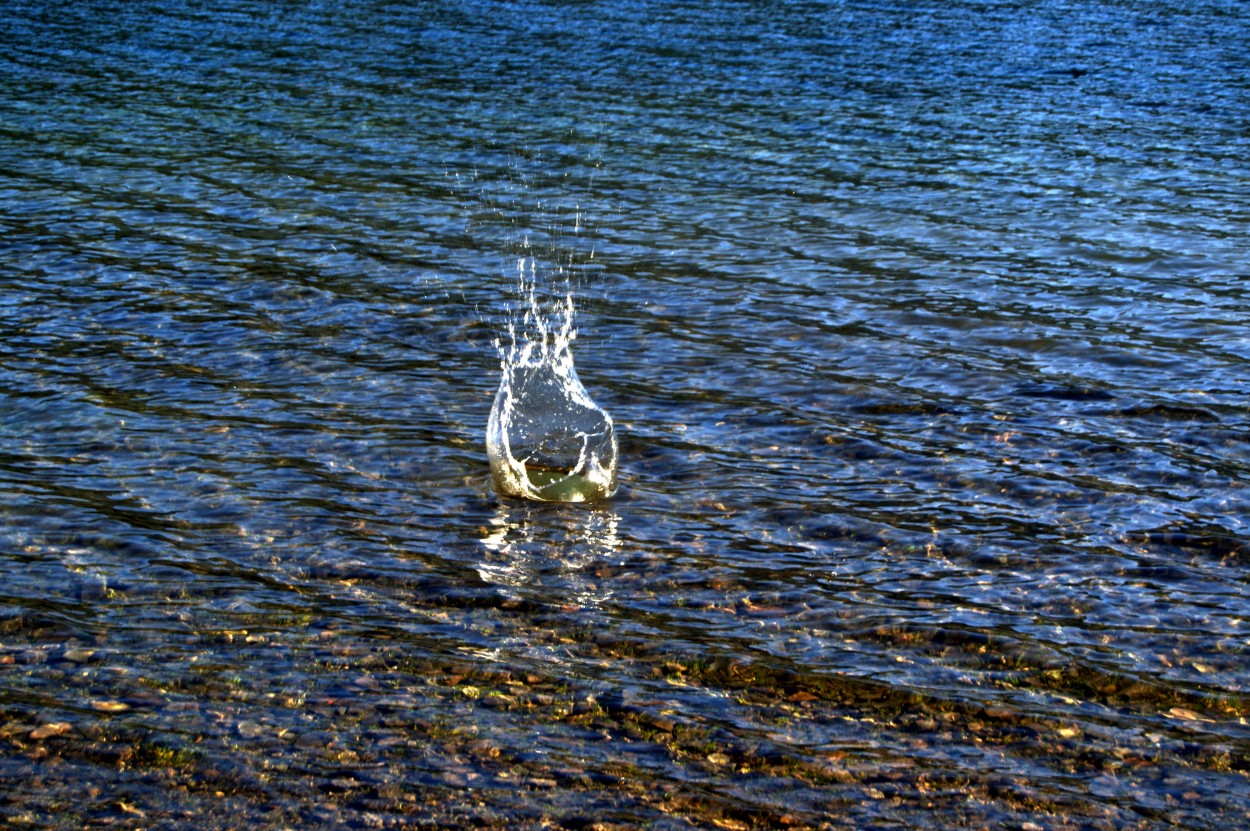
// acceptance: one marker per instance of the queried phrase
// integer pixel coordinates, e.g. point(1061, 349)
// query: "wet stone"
point(314, 739)
point(110, 706)
point(250, 729)
point(47, 731)
point(32, 656)
point(14, 728)
point(93, 588)
point(342, 784)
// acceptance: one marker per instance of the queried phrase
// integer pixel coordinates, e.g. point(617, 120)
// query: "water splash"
point(546, 439)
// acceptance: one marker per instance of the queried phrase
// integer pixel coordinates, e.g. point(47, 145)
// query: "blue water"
point(924, 331)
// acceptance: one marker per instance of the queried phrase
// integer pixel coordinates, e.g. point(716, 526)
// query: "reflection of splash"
point(550, 555)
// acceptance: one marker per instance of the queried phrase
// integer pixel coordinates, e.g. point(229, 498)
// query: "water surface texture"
point(923, 326)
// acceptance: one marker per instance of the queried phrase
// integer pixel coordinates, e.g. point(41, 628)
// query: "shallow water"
point(923, 328)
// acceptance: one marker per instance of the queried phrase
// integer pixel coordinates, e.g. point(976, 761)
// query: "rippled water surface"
point(924, 327)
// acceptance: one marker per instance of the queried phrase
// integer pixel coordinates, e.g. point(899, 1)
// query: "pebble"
point(367, 682)
point(343, 783)
point(250, 729)
point(110, 706)
point(13, 728)
point(484, 747)
point(47, 731)
point(95, 587)
point(314, 738)
point(32, 656)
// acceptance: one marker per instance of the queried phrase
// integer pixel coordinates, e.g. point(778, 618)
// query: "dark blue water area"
point(923, 326)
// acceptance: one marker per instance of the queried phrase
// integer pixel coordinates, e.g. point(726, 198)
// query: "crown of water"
point(546, 438)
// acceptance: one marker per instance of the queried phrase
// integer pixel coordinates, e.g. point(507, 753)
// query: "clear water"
point(923, 327)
